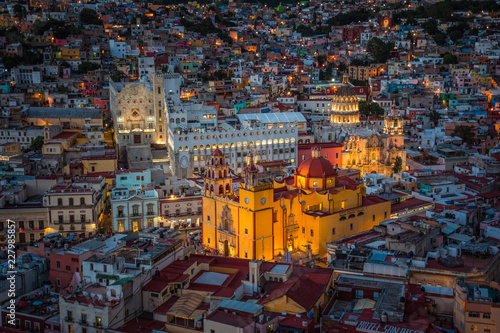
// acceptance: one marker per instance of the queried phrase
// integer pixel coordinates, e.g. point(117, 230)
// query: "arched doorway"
point(226, 248)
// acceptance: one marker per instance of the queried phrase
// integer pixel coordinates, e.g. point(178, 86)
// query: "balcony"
point(69, 319)
point(83, 323)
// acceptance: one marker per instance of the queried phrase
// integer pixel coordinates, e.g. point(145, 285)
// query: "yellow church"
point(265, 218)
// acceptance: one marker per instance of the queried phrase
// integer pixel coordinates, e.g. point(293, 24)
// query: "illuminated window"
point(473, 328)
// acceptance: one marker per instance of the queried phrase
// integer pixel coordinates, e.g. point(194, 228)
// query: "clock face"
point(247, 201)
point(184, 162)
point(263, 201)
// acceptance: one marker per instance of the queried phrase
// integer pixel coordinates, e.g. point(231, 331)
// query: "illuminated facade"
point(134, 201)
point(365, 148)
point(265, 219)
point(138, 111)
point(345, 105)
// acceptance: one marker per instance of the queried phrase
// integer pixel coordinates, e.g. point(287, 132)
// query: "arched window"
point(211, 188)
point(225, 173)
point(292, 140)
point(226, 145)
point(220, 146)
point(281, 141)
point(221, 189)
point(214, 146)
point(195, 147)
point(251, 144)
point(257, 143)
point(180, 148)
point(220, 173)
point(186, 148)
point(275, 141)
point(245, 144)
point(233, 144)
point(238, 144)
point(228, 188)
point(342, 218)
point(287, 140)
point(202, 147)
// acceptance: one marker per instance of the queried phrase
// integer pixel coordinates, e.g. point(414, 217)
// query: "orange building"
point(263, 218)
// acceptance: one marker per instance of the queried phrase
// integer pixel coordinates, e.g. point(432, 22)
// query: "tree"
point(449, 58)
point(370, 109)
point(341, 67)
point(466, 133)
point(434, 116)
point(321, 59)
point(19, 11)
point(11, 61)
point(358, 62)
point(89, 16)
point(379, 50)
point(87, 66)
point(118, 76)
point(37, 143)
point(439, 38)
point(398, 165)
point(431, 27)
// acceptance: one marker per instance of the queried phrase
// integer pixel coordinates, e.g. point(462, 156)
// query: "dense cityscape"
point(249, 166)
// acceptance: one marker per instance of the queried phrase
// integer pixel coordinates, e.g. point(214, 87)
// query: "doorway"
point(137, 138)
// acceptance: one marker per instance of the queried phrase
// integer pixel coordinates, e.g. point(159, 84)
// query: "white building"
point(76, 207)
point(121, 49)
point(146, 66)
point(26, 135)
point(134, 201)
point(26, 75)
point(271, 136)
point(111, 290)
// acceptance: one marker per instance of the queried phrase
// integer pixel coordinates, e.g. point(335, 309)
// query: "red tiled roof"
point(489, 195)
point(230, 319)
point(156, 285)
point(410, 203)
point(64, 135)
point(139, 325)
point(304, 289)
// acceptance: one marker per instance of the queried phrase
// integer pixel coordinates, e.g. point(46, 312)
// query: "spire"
point(345, 79)
point(394, 110)
point(315, 152)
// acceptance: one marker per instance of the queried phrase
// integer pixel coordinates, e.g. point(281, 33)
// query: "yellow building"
point(265, 219)
point(345, 104)
point(70, 53)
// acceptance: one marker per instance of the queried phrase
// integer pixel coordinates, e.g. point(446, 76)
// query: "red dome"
point(316, 168)
point(217, 152)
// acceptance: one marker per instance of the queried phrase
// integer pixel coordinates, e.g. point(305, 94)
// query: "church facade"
point(266, 218)
point(368, 149)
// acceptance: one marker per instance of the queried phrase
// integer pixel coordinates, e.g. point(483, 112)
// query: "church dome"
point(217, 152)
point(345, 91)
point(345, 104)
point(316, 167)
